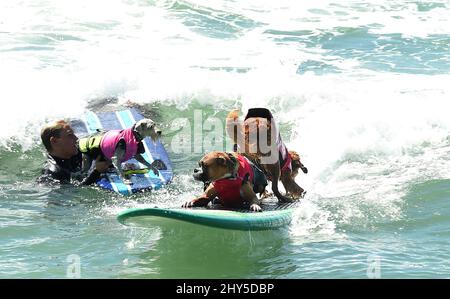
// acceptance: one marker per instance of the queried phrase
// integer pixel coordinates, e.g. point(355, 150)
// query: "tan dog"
point(270, 152)
point(231, 178)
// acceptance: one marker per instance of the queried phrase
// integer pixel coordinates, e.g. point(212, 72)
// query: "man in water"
point(64, 158)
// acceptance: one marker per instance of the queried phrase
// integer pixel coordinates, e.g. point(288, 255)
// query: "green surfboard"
point(273, 216)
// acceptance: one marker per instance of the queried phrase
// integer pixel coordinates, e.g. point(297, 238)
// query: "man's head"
point(213, 166)
point(59, 139)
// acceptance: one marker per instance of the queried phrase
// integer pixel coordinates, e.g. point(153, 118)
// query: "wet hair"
point(52, 129)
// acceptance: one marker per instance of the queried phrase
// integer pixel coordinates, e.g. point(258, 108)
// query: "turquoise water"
point(359, 89)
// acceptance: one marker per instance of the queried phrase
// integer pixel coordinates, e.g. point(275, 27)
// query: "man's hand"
point(102, 166)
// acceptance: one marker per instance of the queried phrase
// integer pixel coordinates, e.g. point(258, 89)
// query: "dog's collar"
point(233, 174)
point(235, 167)
point(226, 176)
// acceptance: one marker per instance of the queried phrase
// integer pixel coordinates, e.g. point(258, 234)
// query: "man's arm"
point(93, 176)
point(53, 174)
point(95, 172)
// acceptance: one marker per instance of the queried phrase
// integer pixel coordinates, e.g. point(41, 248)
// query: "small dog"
point(120, 146)
point(231, 178)
point(284, 164)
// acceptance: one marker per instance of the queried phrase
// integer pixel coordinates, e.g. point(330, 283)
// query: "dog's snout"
point(200, 175)
point(159, 132)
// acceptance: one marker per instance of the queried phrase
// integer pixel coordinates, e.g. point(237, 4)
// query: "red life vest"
point(287, 161)
point(229, 189)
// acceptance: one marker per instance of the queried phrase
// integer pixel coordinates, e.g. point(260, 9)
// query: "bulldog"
point(230, 179)
point(270, 153)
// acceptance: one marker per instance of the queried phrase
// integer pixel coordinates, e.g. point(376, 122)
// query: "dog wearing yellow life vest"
point(120, 146)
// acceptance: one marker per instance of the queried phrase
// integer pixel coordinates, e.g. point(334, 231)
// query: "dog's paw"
point(155, 171)
point(295, 196)
point(127, 181)
point(188, 204)
point(286, 199)
point(255, 208)
point(266, 194)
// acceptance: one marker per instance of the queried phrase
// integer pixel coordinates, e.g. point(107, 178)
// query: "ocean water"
point(359, 88)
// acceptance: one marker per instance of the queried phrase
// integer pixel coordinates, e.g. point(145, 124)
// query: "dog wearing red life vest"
point(258, 138)
point(230, 179)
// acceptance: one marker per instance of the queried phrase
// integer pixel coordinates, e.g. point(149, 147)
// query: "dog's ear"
point(137, 126)
point(149, 124)
point(143, 125)
point(221, 161)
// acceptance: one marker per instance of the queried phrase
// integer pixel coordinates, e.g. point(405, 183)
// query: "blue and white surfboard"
point(118, 120)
